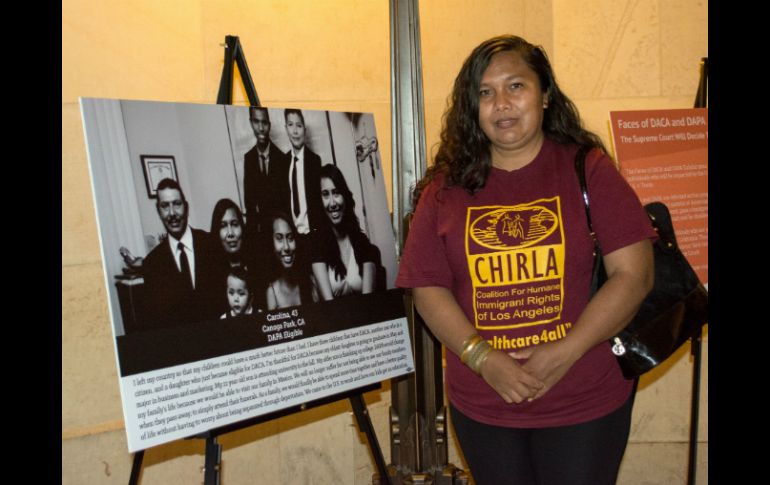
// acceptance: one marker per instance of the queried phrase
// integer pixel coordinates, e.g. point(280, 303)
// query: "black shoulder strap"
point(599, 274)
point(580, 169)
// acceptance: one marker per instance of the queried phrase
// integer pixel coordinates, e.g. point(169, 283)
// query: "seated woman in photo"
point(290, 283)
point(345, 260)
point(228, 228)
point(230, 248)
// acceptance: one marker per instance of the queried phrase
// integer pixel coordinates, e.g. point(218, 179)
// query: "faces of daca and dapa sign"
point(663, 154)
point(249, 260)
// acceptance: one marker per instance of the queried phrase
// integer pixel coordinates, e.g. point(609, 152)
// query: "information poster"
point(663, 154)
point(249, 260)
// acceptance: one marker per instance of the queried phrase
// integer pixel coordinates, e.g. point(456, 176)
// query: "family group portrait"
point(211, 212)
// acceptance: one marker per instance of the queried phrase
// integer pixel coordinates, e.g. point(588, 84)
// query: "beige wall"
point(608, 55)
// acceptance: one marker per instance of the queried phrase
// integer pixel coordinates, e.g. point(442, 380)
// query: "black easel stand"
point(692, 464)
point(136, 468)
point(234, 52)
point(213, 457)
point(419, 427)
point(701, 101)
point(365, 425)
point(213, 450)
point(212, 461)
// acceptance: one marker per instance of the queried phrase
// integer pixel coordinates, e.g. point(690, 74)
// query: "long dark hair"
point(274, 267)
point(463, 152)
point(298, 274)
point(348, 226)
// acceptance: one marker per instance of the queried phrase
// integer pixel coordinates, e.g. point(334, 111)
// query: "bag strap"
point(580, 169)
point(598, 273)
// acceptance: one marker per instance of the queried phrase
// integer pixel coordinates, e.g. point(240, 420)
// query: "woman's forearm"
point(321, 273)
point(443, 315)
point(368, 278)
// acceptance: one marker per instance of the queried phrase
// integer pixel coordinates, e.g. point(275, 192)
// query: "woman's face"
point(284, 244)
point(511, 104)
point(230, 232)
point(333, 201)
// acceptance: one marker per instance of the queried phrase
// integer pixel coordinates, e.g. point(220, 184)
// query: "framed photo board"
point(257, 338)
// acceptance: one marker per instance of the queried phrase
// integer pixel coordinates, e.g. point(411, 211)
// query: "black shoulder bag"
point(675, 309)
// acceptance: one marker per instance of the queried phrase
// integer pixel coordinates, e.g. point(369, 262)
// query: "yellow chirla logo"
point(513, 227)
point(515, 258)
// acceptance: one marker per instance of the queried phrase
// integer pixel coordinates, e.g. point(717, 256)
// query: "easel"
point(701, 101)
point(213, 450)
point(419, 428)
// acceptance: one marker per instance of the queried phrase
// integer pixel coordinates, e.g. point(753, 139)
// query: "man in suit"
point(265, 171)
point(177, 272)
point(304, 179)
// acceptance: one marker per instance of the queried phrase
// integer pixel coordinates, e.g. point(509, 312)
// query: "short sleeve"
point(424, 259)
point(616, 212)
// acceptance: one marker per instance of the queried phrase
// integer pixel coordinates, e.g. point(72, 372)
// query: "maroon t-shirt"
point(517, 257)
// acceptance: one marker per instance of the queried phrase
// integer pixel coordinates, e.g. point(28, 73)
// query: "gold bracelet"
point(478, 356)
point(468, 346)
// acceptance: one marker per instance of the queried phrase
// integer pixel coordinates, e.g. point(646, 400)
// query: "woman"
point(291, 285)
point(228, 231)
point(499, 258)
point(227, 226)
point(345, 261)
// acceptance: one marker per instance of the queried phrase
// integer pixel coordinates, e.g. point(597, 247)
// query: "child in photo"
point(239, 295)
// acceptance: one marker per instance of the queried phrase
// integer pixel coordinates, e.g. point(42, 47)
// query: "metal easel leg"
point(701, 101)
point(692, 464)
point(212, 461)
point(136, 468)
point(365, 425)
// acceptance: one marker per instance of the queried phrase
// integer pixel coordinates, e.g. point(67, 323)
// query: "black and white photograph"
point(255, 227)
point(293, 199)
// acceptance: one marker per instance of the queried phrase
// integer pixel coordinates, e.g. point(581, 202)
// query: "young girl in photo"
point(239, 295)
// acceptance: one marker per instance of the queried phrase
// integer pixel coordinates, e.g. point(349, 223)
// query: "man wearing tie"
point(177, 272)
point(265, 170)
point(304, 177)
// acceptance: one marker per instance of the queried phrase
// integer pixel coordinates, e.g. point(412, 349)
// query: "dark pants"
point(582, 454)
